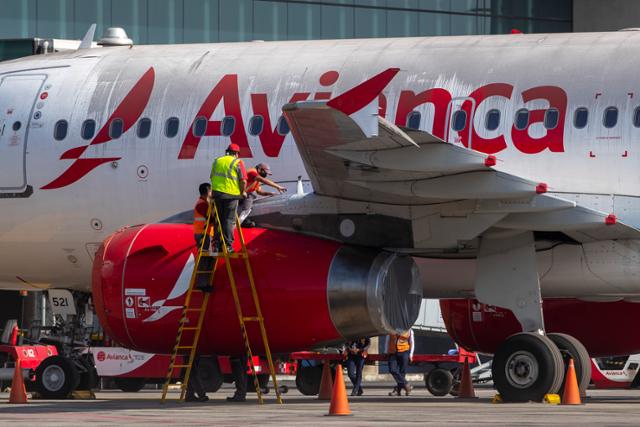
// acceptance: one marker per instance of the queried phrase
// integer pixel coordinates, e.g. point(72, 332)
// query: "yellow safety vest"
point(224, 176)
point(399, 343)
point(200, 221)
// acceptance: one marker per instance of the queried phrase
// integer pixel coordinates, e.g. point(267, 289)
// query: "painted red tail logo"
point(129, 111)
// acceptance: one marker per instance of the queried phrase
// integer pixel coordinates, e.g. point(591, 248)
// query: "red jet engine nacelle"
point(312, 291)
point(605, 328)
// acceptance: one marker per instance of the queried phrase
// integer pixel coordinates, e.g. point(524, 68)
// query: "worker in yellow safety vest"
point(400, 352)
point(228, 182)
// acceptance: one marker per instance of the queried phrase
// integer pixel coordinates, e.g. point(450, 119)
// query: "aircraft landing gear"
point(526, 367)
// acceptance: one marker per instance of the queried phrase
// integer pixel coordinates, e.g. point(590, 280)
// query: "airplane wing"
point(353, 154)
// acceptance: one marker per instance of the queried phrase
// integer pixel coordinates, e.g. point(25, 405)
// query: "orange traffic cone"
point(326, 383)
point(571, 394)
point(18, 392)
point(466, 385)
point(339, 402)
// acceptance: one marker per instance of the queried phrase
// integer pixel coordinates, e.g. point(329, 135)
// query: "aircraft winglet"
point(87, 40)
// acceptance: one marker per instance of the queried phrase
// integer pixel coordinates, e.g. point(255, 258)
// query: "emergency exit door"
point(18, 95)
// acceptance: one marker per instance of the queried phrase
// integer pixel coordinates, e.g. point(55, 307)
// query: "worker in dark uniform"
point(228, 182)
point(256, 177)
point(356, 353)
point(195, 390)
point(400, 351)
point(239, 372)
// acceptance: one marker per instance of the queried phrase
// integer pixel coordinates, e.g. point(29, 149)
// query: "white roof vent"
point(115, 36)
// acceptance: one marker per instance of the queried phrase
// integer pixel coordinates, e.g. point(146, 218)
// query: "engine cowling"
point(605, 328)
point(312, 291)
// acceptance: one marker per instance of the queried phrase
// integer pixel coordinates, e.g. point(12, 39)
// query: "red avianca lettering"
point(226, 92)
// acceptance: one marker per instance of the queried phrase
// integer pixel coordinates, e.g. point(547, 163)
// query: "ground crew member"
point(195, 390)
point(239, 372)
point(255, 177)
point(228, 182)
point(200, 214)
point(400, 350)
point(356, 352)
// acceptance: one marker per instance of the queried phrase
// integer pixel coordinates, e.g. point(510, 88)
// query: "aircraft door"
point(458, 129)
point(18, 94)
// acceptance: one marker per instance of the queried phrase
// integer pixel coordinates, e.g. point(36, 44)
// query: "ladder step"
point(193, 309)
point(252, 319)
point(184, 346)
point(231, 255)
point(181, 366)
point(189, 328)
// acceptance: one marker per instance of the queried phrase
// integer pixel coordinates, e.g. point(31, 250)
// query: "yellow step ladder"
point(182, 326)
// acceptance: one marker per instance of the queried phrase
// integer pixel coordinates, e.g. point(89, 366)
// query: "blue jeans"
point(398, 363)
point(355, 364)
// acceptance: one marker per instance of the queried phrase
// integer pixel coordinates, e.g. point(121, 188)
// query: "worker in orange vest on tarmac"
point(400, 351)
point(256, 177)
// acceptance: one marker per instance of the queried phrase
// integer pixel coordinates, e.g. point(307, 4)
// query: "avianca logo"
point(227, 93)
point(129, 111)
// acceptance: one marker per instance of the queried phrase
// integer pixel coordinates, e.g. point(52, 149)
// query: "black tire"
point(308, 379)
point(210, 374)
point(439, 382)
point(571, 348)
point(130, 385)
point(56, 377)
point(283, 389)
point(526, 367)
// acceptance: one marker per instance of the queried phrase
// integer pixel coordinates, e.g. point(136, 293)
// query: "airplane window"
point(199, 126)
point(171, 127)
point(492, 120)
point(228, 126)
point(459, 120)
point(16, 126)
point(255, 125)
point(636, 117)
point(551, 118)
point(88, 129)
point(580, 117)
point(60, 130)
point(144, 128)
point(522, 119)
point(610, 117)
point(283, 126)
point(413, 120)
point(116, 128)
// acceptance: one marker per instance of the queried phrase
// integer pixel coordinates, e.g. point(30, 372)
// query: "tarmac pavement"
point(604, 407)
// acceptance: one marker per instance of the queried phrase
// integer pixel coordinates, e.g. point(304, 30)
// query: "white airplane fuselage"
point(60, 199)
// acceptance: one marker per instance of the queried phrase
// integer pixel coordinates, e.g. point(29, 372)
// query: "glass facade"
point(194, 21)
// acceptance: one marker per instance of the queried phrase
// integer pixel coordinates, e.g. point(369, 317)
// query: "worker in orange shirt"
point(255, 178)
point(400, 351)
point(200, 215)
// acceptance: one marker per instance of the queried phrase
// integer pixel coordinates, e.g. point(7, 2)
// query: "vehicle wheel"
point(571, 348)
point(56, 377)
point(308, 379)
point(283, 389)
point(526, 367)
point(130, 385)
point(210, 374)
point(439, 382)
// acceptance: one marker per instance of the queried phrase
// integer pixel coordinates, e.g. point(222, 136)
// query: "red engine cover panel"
point(605, 328)
point(141, 274)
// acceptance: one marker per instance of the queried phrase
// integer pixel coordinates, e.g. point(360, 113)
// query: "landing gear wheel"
point(56, 377)
point(571, 348)
point(130, 385)
point(526, 367)
point(439, 382)
point(308, 379)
